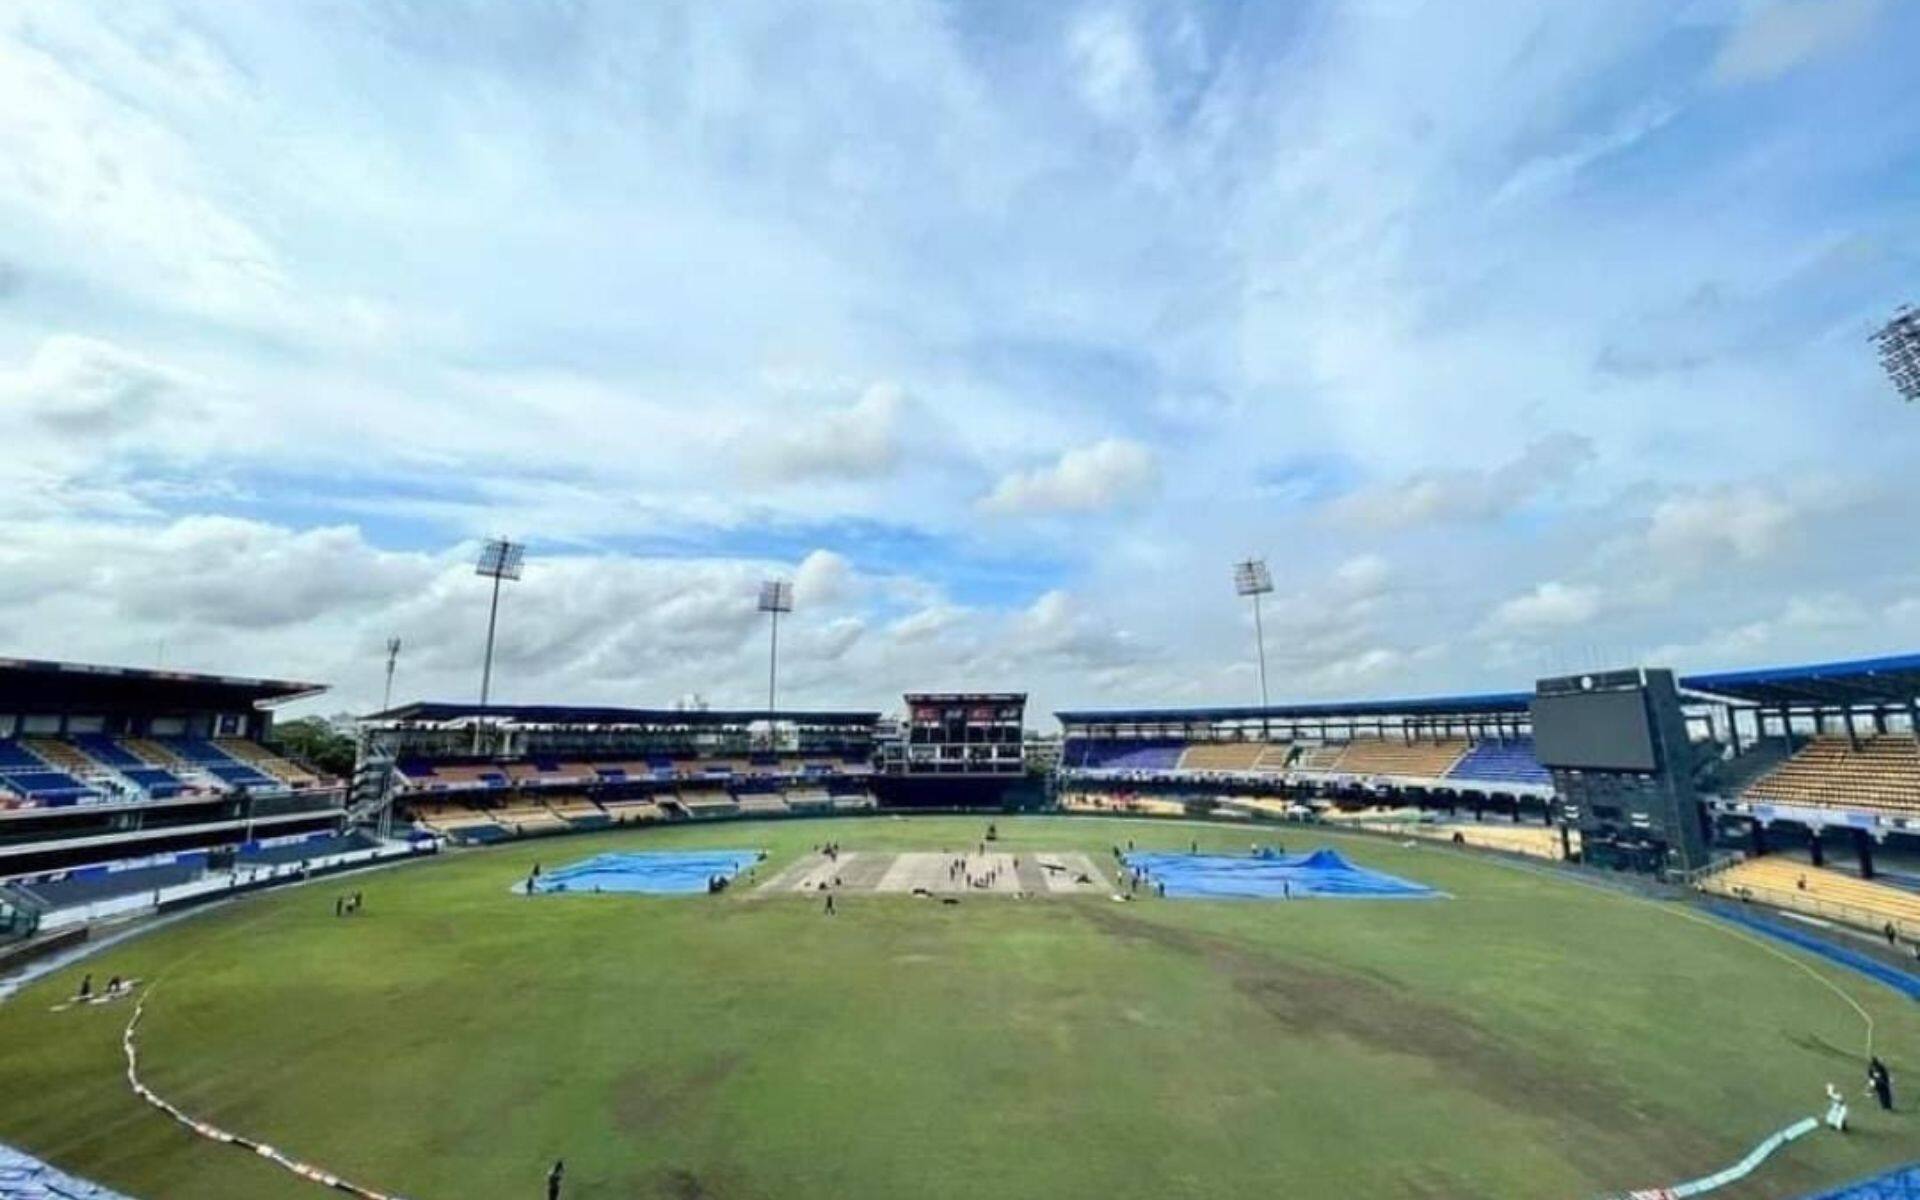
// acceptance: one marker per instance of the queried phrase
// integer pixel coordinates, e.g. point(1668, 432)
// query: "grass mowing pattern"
point(1525, 1038)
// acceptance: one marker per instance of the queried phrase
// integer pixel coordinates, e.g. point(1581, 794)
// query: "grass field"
point(1525, 1037)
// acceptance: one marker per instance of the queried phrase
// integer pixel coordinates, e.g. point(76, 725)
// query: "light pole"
point(499, 559)
point(776, 597)
point(393, 656)
point(1251, 578)
point(1899, 344)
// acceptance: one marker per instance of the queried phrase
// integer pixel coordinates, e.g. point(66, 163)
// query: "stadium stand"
point(1391, 756)
point(253, 754)
point(1817, 891)
point(1126, 756)
point(1275, 756)
point(61, 756)
point(1880, 773)
point(154, 753)
point(1222, 756)
point(1323, 757)
point(1506, 761)
point(709, 802)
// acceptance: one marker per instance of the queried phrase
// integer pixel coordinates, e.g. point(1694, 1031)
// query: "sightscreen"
point(1601, 731)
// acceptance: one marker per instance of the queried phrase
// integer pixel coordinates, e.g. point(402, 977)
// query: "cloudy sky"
point(1517, 336)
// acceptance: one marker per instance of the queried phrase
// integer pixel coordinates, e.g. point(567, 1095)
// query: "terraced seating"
point(61, 756)
point(1274, 756)
point(260, 758)
point(578, 811)
point(702, 802)
point(1391, 756)
point(108, 751)
point(528, 818)
point(157, 783)
point(1320, 758)
point(1509, 761)
point(854, 802)
point(1222, 756)
point(449, 818)
point(1123, 802)
point(1881, 774)
point(763, 803)
point(1125, 756)
point(809, 800)
point(634, 809)
point(1817, 891)
point(16, 757)
point(149, 751)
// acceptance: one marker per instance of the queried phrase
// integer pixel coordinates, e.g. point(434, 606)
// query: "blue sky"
point(1518, 337)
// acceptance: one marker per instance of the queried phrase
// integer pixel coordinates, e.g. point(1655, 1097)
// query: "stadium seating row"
point(555, 813)
point(1792, 885)
point(40, 770)
point(1509, 761)
point(1879, 773)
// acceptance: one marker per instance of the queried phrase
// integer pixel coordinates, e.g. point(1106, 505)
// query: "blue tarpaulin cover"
point(1270, 876)
point(661, 873)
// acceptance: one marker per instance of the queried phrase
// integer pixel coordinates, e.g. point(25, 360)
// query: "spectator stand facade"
point(103, 765)
point(473, 774)
point(1445, 753)
point(1822, 756)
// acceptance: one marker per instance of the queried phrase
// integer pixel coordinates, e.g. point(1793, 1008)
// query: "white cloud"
point(858, 441)
point(1112, 71)
point(1550, 605)
point(1697, 529)
point(1465, 494)
point(1775, 36)
point(1087, 479)
point(824, 578)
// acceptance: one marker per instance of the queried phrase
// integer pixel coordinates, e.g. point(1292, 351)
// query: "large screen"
point(1600, 731)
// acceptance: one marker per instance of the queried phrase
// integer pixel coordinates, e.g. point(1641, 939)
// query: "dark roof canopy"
point(1493, 704)
point(568, 714)
point(34, 685)
point(1890, 680)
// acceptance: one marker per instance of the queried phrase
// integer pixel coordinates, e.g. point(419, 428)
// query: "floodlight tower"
point(776, 597)
point(1251, 578)
point(1899, 344)
point(393, 657)
point(499, 560)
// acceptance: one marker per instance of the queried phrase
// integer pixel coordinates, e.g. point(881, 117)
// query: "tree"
point(311, 740)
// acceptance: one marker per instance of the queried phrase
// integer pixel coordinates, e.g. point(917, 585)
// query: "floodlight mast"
point(1251, 578)
point(776, 597)
point(393, 656)
point(499, 559)
point(1899, 344)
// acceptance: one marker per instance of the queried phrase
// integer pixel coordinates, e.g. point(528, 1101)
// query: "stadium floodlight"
point(499, 559)
point(776, 597)
point(1251, 578)
point(393, 657)
point(1899, 344)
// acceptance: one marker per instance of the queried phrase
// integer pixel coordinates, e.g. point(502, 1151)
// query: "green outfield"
point(1523, 1037)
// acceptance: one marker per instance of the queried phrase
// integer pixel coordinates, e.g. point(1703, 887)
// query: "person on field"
point(1836, 1110)
point(829, 909)
point(1880, 1082)
point(86, 987)
point(555, 1178)
point(1893, 935)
